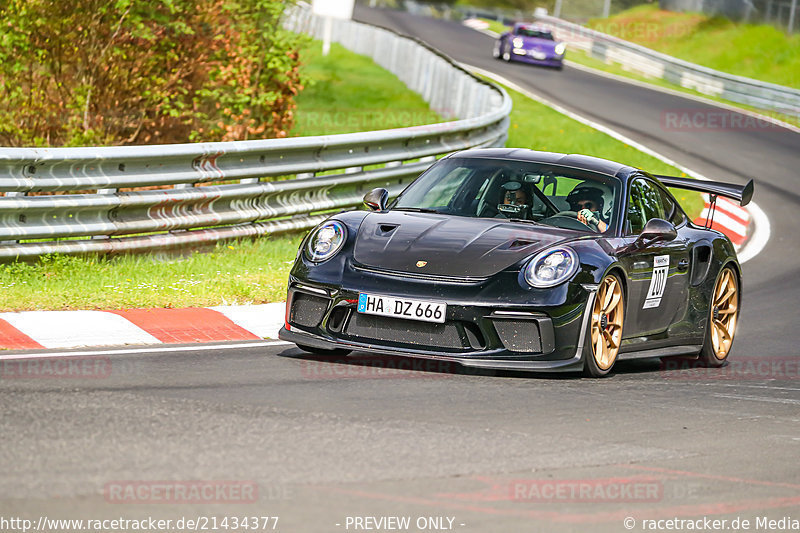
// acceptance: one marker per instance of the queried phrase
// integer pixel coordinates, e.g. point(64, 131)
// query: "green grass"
point(497, 26)
point(755, 51)
point(349, 93)
point(245, 272)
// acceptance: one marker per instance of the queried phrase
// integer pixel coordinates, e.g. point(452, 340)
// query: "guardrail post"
point(104, 192)
point(12, 194)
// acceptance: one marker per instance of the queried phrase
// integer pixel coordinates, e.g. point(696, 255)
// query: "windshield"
point(519, 191)
point(530, 32)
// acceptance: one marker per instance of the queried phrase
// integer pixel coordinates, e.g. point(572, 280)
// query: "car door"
point(658, 272)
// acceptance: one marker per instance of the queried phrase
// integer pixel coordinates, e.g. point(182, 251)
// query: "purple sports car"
point(530, 43)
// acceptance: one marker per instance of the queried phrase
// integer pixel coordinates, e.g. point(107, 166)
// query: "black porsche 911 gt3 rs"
point(521, 260)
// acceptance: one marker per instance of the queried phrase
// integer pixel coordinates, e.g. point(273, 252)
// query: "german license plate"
point(372, 304)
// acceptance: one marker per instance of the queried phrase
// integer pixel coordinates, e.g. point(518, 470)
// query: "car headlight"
point(551, 267)
point(560, 49)
point(518, 42)
point(326, 240)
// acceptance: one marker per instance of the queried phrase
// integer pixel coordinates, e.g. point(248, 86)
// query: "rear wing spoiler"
point(741, 193)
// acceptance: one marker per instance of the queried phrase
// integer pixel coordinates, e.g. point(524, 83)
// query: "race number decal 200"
point(658, 282)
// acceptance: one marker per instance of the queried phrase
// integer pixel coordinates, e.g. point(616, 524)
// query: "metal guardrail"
point(210, 192)
point(631, 56)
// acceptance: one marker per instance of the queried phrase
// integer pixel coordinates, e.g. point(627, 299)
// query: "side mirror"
point(376, 199)
point(656, 230)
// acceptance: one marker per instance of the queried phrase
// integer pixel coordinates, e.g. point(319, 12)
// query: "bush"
point(102, 72)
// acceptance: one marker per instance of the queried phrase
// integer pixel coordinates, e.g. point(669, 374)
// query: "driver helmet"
point(514, 194)
point(515, 200)
point(585, 196)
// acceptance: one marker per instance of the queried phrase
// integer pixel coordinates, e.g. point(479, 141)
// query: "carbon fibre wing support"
point(741, 193)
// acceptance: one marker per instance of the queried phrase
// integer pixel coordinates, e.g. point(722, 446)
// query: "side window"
point(672, 211)
point(644, 203)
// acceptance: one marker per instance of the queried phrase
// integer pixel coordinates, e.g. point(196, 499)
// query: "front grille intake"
point(519, 335)
point(401, 331)
point(307, 310)
point(525, 332)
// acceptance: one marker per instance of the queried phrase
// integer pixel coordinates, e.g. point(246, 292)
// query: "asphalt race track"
point(322, 443)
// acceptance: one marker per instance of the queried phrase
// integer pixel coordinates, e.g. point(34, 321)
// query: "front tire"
point(506, 55)
point(496, 50)
point(723, 317)
point(605, 328)
point(323, 351)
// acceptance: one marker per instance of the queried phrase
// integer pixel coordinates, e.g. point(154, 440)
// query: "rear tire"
point(323, 351)
point(506, 55)
point(723, 315)
point(604, 337)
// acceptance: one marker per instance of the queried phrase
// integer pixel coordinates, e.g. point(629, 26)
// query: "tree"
point(84, 72)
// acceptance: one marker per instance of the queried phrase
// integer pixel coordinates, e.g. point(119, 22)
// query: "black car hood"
point(449, 245)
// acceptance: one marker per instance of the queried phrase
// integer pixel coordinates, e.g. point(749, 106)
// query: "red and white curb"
point(729, 218)
point(31, 330)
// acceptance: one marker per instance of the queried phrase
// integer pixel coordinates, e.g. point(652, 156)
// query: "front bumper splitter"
point(573, 364)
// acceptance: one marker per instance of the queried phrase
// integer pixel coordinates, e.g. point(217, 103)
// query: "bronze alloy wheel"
point(605, 332)
point(723, 314)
